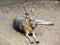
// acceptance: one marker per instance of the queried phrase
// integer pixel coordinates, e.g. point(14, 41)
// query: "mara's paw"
point(32, 42)
point(37, 41)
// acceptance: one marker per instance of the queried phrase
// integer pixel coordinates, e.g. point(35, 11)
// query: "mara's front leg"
point(35, 38)
point(27, 32)
point(27, 35)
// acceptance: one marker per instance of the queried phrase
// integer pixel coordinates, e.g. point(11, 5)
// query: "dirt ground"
point(47, 35)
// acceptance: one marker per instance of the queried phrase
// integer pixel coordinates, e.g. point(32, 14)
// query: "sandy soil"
point(47, 35)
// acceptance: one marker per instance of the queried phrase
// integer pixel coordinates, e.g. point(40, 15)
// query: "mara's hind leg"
point(42, 22)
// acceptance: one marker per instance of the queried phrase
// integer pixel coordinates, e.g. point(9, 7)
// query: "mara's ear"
point(26, 13)
point(28, 17)
point(32, 11)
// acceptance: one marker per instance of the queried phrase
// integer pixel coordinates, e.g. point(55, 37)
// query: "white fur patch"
point(43, 22)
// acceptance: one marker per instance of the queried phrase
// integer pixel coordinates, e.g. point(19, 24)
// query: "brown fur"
point(28, 27)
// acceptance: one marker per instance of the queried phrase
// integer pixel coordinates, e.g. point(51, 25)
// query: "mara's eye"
point(30, 19)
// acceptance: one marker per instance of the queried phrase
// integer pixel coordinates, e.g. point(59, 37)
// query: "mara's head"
point(29, 17)
point(30, 20)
